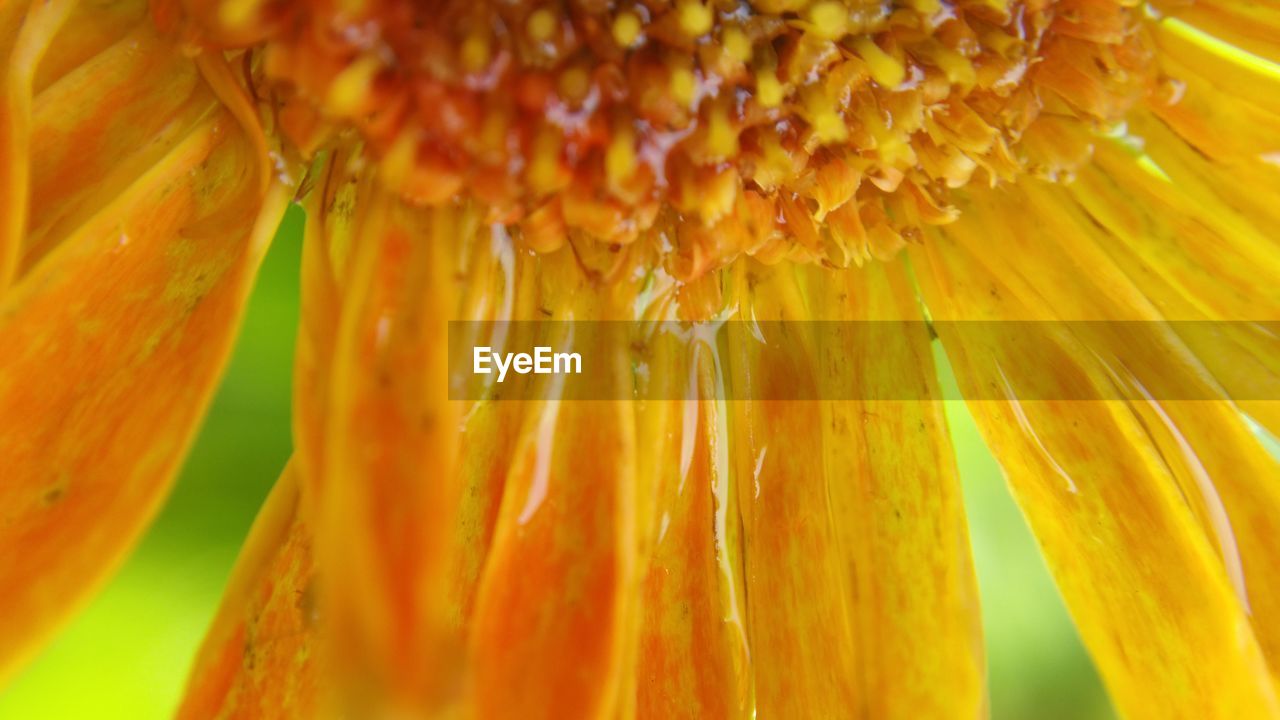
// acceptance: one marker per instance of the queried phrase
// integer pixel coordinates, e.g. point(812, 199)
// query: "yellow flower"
point(778, 160)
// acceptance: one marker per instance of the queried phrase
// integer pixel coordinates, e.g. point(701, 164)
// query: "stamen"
point(542, 25)
point(626, 29)
point(706, 112)
point(695, 18)
point(350, 92)
point(886, 70)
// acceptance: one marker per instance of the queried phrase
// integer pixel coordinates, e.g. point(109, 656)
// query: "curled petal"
point(128, 289)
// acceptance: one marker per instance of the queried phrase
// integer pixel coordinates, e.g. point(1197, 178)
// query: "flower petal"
point(1197, 261)
point(388, 496)
point(26, 38)
point(798, 595)
point(118, 326)
point(500, 286)
point(691, 655)
point(1063, 271)
point(895, 496)
point(556, 597)
point(1252, 26)
point(259, 657)
point(109, 104)
point(860, 592)
point(112, 348)
point(329, 234)
point(1153, 603)
point(1236, 73)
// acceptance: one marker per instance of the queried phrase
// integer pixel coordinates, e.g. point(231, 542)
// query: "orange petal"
point(113, 98)
point(327, 239)
point(1151, 598)
point(389, 493)
point(798, 595)
point(136, 245)
point(500, 286)
point(1057, 267)
point(31, 34)
point(1252, 26)
point(1221, 100)
point(112, 347)
point(554, 602)
point(691, 658)
point(259, 658)
point(895, 497)
point(1196, 259)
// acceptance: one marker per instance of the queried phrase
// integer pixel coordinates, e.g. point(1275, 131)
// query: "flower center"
point(819, 130)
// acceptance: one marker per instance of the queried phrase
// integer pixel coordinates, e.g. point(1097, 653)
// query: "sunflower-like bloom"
point(906, 162)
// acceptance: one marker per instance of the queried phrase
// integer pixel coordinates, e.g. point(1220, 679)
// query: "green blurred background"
point(127, 655)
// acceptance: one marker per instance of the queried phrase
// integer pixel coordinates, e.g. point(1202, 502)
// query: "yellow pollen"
point(828, 126)
point(889, 144)
point(775, 166)
point(620, 158)
point(626, 29)
point(755, 114)
point(695, 18)
point(830, 19)
point(736, 44)
point(541, 25)
point(719, 196)
point(768, 90)
point(575, 83)
point(475, 52)
point(545, 174)
point(684, 86)
point(925, 7)
point(1001, 7)
point(493, 133)
point(999, 41)
point(958, 69)
point(349, 91)
point(722, 140)
point(237, 13)
point(885, 69)
point(399, 161)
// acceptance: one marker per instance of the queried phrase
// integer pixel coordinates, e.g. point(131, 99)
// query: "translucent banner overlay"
point(869, 361)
